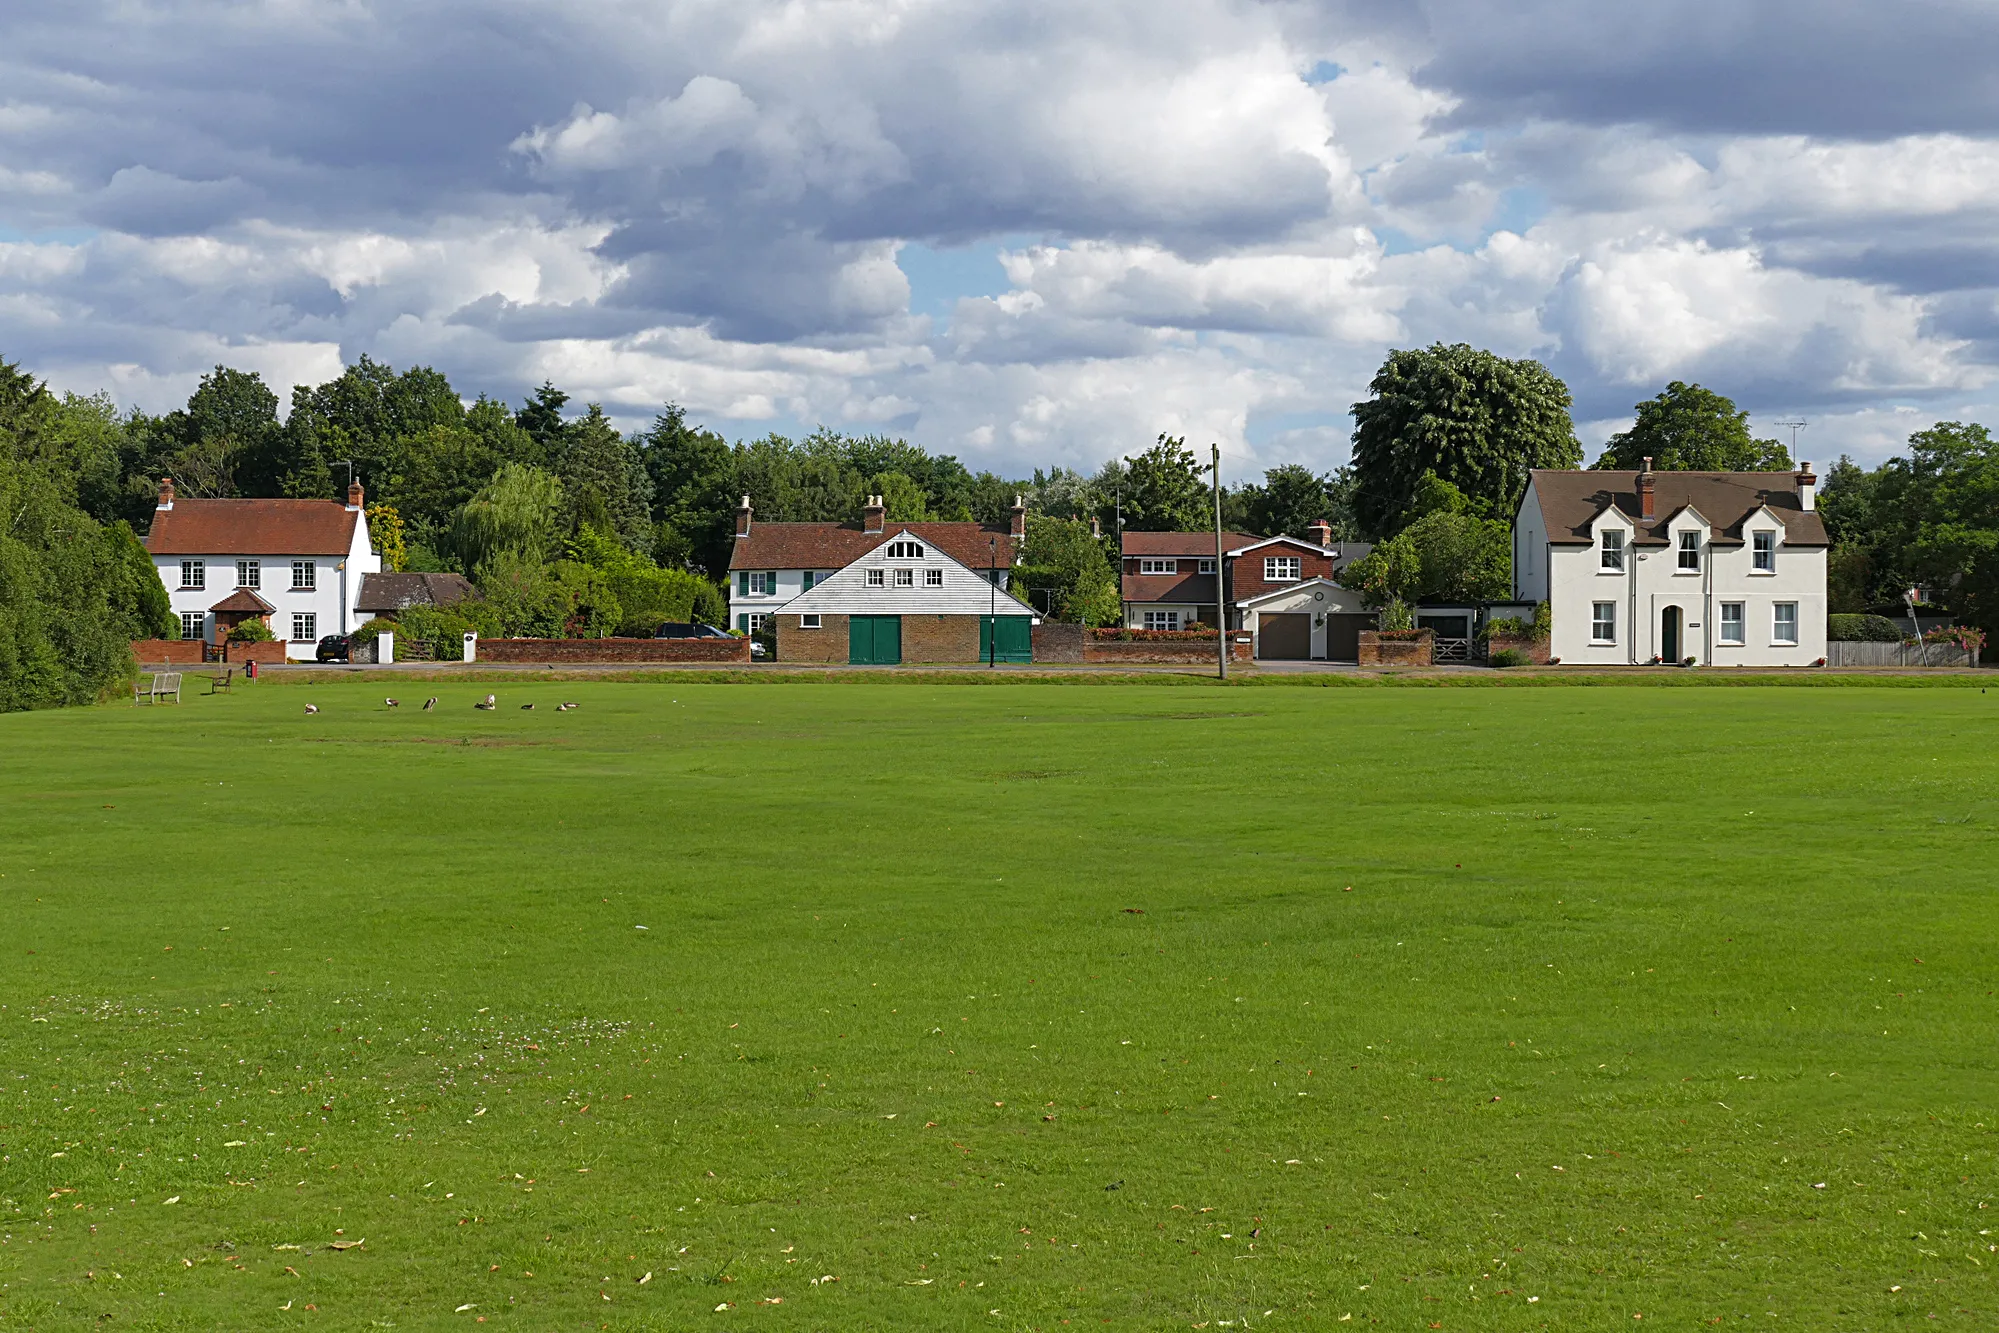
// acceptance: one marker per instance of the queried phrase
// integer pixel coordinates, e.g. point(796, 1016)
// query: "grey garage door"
point(1343, 636)
point(1285, 638)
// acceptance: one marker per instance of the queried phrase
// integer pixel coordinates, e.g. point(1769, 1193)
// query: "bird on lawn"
point(526, 707)
point(489, 703)
point(393, 703)
point(312, 708)
point(430, 703)
point(563, 708)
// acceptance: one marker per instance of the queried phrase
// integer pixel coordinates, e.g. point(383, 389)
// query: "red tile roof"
point(837, 545)
point(253, 527)
point(1182, 543)
point(1169, 588)
point(243, 599)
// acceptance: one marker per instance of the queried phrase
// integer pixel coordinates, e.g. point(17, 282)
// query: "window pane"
point(1603, 622)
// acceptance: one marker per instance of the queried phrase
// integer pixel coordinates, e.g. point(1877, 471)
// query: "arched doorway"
point(1669, 634)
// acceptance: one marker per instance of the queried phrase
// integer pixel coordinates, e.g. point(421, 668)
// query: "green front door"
point(874, 640)
point(1016, 643)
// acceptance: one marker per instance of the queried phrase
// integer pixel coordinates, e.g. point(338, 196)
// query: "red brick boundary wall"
point(1055, 641)
point(614, 650)
point(1536, 649)
point(1377, 651)
point(172, 652)
point(1162, 652)
point(270, 653)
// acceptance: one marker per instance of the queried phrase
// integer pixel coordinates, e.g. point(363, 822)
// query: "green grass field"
point(1021, 1007)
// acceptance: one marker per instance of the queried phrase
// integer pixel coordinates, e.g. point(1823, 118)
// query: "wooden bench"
point(220, 684)
point(165, 685)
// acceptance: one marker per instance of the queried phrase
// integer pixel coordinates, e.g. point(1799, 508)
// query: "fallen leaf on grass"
point(469, 1305)
point(348, 1244)
point(647, 1278)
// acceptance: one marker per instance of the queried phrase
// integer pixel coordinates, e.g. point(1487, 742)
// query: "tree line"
point(568, 526)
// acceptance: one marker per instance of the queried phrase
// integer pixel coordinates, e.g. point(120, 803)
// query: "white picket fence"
point(1899, 654)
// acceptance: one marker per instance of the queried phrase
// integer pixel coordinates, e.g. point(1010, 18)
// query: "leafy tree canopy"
point(1691, 429)
point(1166, 490)
point(1476, 419)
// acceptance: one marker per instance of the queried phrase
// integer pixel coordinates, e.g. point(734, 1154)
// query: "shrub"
point(253, 630)
point(1508, 627)
point(1117, 635)
point(1398, 615)
point(1508, 657)
point(1862, 629)
point(378, 626)
point(1964, 636)
point(1402, 635)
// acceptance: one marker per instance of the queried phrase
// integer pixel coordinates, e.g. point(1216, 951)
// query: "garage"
point(1343, 636)
point(1284, 638)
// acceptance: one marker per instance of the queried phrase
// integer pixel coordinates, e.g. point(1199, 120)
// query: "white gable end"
point(906, 576)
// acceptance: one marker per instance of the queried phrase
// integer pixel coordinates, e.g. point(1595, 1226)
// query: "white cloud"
point(703, 201)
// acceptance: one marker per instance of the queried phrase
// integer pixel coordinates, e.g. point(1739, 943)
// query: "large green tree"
point(1447, 553)
point(691, 477)
point(1476, 419)
point(1691, 429)
point(1065, 572)
point(1165, 489)
point(1289, 499)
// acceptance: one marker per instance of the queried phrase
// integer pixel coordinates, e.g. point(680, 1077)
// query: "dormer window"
point(1690, 553)
point(1763, 549)
point(1613, 551)
point(1281, 568)
point(905, 550)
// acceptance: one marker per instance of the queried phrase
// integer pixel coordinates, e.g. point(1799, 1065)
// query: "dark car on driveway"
point(333, 648)
point(680, 629)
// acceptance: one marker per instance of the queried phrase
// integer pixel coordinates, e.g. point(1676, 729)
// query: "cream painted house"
point(1725, 568)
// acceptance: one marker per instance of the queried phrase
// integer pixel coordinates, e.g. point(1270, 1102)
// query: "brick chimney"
point(1808, 488)
point(1016, 517)
point(166, 492)
point(353, 495)
point(1645, 504)
point(1321, 533)
point(743, 518)
point(873, 514)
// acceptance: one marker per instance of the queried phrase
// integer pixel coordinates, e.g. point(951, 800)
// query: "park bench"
point(220, 684)
point(155, 689)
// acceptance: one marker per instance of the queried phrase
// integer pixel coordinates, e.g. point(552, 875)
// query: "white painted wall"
point(1530, 550)
point(790, 584)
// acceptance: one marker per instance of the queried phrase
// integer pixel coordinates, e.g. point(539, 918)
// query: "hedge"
point(1846, 628)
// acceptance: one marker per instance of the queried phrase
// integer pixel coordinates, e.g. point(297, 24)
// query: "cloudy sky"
point(1023, 231)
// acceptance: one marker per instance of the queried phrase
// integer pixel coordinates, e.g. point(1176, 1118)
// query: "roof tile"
point(253, 527)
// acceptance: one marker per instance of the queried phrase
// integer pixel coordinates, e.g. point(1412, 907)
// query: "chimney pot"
point(1321, 533)
point(1645, 496)
point(743, 518)
point(166, 492)
point(1808, 488)
point(1016, 519)
point(354, 495)
point(874, 515)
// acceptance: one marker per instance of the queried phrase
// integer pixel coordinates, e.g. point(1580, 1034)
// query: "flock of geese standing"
point(488, 704)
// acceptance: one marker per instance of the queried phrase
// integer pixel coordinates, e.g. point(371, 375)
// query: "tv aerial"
point(1794, 425)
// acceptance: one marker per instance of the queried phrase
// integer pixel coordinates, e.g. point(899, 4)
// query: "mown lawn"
point(913, 1006)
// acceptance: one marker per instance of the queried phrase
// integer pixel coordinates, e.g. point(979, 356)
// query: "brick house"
point(297, 565)
point(773, 563)
point(1283, 590)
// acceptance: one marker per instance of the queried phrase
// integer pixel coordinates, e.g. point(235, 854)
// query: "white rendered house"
point(296, 564)
point(1725, 568)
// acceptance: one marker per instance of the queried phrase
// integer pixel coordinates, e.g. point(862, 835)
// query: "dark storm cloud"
point(1842, 68)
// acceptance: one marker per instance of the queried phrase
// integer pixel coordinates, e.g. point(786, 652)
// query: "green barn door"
point(1015, 639)
point(874, 640)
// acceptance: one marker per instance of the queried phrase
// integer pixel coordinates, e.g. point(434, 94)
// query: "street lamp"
point(992, 598)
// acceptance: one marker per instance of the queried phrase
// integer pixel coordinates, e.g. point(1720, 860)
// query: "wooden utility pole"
point(1221, 601)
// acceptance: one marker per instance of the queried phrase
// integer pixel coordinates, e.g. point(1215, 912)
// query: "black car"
point(680, 629)
point(334, 648)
